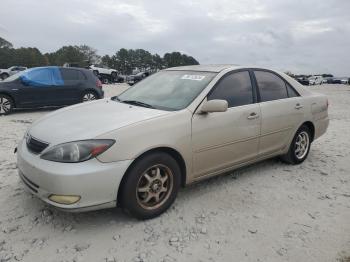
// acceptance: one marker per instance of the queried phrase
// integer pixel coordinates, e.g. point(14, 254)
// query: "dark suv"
point(48, 86)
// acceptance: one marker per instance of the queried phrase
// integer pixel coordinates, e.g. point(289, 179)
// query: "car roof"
point(204, 68)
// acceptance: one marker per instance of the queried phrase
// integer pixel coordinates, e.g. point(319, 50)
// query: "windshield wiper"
point(114, 98)
point(136, 103)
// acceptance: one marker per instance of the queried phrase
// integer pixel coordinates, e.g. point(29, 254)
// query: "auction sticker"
point(193, 77)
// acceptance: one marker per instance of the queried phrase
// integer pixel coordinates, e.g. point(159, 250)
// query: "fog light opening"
point(64, 199)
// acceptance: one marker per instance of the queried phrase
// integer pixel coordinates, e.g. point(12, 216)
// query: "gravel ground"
point(266, 212)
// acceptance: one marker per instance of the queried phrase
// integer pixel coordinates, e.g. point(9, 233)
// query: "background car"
point(5, 73)
point(176, 127)
point(133, 79)
point(48, 86)
point(103, 70)
point(303, 80)
point(344, 81)
point(315, 80)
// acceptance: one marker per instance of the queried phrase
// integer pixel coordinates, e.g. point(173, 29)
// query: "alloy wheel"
point(89, 97)
point(5, 105)
point(154, 187)
point(302, 144)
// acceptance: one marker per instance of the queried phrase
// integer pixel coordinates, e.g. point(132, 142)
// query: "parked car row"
point(108, 75)
point(48, 86)
point(319, 80)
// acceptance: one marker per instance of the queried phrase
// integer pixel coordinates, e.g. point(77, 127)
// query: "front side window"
point(235, 88)
point(168, 90)
point(39, 77)
point(271, 87)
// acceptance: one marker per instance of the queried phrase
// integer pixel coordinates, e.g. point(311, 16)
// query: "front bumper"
point(97, 183)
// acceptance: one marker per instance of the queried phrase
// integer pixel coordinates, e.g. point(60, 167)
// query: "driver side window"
point(235, 88)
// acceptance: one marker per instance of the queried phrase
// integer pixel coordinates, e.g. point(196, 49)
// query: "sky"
point(310, 36)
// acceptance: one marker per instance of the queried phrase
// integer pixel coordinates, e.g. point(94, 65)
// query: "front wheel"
point(6, 105)
point(299, 148)
point(150, 186)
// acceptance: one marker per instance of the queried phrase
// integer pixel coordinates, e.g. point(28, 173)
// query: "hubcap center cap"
point(156, 186)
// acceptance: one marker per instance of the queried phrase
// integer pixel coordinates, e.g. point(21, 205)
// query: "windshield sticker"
point(193, 77)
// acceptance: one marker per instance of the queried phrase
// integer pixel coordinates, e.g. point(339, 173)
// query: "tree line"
point(124, 60)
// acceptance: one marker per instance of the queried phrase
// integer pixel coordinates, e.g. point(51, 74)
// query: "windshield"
point(168, 90)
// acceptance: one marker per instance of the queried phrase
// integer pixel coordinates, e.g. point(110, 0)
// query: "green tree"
point(90, 54)
point(4, 43)
point(177, 59)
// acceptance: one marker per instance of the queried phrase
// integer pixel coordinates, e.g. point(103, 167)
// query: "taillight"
point(99, 83)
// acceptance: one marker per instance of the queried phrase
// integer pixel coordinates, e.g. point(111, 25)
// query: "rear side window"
point(291, 91)
point(235, 88)
point(71, 74)
point(271, 87)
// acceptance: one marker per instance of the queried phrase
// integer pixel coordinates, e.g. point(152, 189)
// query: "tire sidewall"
point(292, 146)
point(128, 187)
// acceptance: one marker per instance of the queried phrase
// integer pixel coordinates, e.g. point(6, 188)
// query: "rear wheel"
point(150, 186)
point(300, 147)
point(6, 105)
point(89, 96)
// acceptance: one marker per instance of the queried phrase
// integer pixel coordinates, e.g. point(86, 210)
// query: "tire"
point(89, 96)
point(296, 155)
point(6, 104)
point(3, 76)
point(114, 76)
point(105, 81)
point(153, 176)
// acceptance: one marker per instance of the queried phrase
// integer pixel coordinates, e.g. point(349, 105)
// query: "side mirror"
point(215, 105)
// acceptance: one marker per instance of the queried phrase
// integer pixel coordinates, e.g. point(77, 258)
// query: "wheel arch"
point(311, 126)
point(10, 96)
point(168, 150)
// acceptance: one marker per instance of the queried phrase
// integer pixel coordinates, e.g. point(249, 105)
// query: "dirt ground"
point(266, 212)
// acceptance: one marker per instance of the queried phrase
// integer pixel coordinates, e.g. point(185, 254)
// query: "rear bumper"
point(321, 126)
point(95, 182)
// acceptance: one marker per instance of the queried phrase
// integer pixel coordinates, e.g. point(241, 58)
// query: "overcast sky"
point(310, 36)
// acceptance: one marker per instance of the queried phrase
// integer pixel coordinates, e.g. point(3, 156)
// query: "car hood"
point(89, 120)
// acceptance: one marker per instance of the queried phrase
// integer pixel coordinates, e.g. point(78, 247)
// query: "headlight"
point(78, 151)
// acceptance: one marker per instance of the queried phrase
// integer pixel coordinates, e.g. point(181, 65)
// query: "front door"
point(36, 86)
point(224, 139)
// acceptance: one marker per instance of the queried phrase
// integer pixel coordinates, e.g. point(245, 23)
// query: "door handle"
point(298, 106)
point(253, 115)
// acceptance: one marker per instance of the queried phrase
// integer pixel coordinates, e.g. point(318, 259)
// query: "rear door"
point(73, 84)
point(281, 111)
point(224, 139)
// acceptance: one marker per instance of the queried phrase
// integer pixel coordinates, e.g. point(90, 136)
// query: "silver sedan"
point(173, 128)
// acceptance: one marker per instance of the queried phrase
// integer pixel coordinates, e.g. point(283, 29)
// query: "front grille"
point(36, 146)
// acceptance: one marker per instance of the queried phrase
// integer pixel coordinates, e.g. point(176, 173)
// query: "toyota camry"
point(176, 127)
